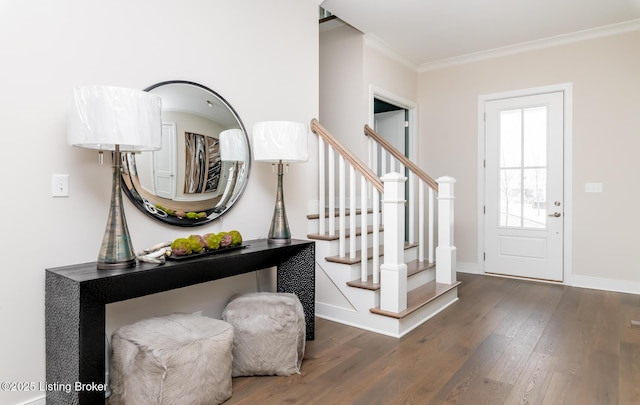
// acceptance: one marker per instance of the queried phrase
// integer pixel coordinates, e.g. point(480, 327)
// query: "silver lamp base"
point(279, 231)
point(116, 251)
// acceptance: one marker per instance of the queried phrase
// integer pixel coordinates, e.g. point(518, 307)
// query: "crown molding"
point(374, 43)
point(608, 30)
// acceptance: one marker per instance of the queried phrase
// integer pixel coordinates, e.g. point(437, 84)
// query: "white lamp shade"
point(233, 146)
point(102, 117)
point(280, 140)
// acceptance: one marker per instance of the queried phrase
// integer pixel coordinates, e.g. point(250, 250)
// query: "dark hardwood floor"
point(504, 342)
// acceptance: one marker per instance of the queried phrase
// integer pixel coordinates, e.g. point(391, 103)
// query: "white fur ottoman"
point(174, 359)
point(269, 333)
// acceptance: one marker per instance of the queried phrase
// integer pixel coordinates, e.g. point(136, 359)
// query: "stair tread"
point(418, 298)
point(337, 213)
point(413, 267)
point(326, 236)
point(358, 258)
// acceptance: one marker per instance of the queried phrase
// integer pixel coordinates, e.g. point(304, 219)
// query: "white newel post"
point(393, 272)
point(446, 251)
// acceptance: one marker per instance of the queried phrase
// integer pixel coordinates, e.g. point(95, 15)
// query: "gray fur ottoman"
point(174, 359)
point(269, 333)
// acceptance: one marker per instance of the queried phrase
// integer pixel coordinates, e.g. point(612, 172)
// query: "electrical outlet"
point(59, 185)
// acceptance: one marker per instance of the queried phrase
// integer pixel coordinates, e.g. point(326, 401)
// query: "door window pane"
point(511, 138)
point(535, 136)
point(535, 192)
point(511, 197)
point(523, 168)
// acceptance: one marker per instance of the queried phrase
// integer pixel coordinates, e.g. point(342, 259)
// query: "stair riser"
point(413, 281)
point(334, 249)
point(416, 280)
point(334, 245)
point(313, 224)
point(353, 272)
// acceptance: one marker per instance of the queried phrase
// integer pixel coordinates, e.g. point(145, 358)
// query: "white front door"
point(524, 185)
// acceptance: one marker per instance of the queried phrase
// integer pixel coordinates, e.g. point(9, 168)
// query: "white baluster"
point(374, 164)
point(432, 225)
point(412, 207)
point(332, 192)
point(371, 145)
point(321, 187)
point(352, 212)
point(376, 235)
point(421, 243)
point(342, 207)
point(383, 162)
point(363, 225)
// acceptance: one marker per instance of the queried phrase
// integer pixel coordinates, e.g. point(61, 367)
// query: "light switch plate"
point(593, 187)
point(59, 185)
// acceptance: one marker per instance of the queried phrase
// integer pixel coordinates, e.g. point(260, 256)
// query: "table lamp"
point(280, 142)
point(233, 149)
point(120, 120)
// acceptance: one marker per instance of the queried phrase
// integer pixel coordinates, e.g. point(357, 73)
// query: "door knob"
point(555, 214)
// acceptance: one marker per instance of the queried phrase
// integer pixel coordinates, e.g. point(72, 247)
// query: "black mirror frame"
point(212, 215)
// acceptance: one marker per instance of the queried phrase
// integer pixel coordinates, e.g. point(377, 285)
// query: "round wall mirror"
point(203, 166)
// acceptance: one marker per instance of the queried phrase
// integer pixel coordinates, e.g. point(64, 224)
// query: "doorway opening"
point(394, 118)
point(392, 122)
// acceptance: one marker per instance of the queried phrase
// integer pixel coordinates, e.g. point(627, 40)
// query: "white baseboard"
point(606, 284)
point(575, 280)
point(470, 268)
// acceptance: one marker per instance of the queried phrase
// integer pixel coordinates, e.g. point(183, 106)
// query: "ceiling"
point(195, 99)
point(427, 33)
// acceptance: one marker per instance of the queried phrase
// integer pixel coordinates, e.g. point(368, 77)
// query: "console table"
point(75, 299)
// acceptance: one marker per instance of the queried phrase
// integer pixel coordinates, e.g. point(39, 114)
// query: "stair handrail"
point(368, 131)
point(358, 164)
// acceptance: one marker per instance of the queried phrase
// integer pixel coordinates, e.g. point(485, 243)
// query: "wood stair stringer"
point(347, 300)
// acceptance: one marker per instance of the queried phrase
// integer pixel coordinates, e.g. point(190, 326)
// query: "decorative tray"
point(207, 252)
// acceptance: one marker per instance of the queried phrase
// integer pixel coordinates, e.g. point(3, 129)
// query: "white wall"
point(342, 107)
point(349, 68)
point(261, 56)
point(388, 75)
point(606, 124)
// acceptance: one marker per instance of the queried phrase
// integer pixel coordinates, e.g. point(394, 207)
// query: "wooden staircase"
point(357, 303)
point(350, 264)
point(369, 273)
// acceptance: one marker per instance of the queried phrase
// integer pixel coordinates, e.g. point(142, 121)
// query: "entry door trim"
point(567, 89)
point(410, 106)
